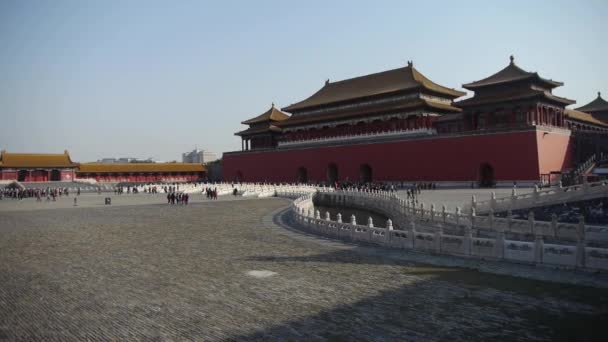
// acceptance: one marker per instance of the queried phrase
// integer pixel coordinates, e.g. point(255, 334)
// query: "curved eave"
point(477, 85)
point(250, 131)
point(273, 114)
point(419, 104)
point(475, 101)
point(432, 86)
point(597, 105)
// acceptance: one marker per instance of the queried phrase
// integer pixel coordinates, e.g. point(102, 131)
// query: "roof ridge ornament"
point(599, 94)
point(410, 64)
point(512, 59)
point(327, 81)
point(272, 104)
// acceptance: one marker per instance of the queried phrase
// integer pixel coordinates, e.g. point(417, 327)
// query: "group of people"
point(210, 193)
point(180, 198)
point(121, 190)
point(49, 193)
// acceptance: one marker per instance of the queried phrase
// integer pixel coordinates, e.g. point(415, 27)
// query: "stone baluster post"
point(370, 222)
point(468, 238)
point(493, 200)
point(500, 242)
point(421, 211)
point(473, 203)
point(580, 245)
point(432, 212)
point(535, 194)
point(389, 231)
point(438, 237)
point(443, 214)
point(327, 216)
point(538, 242)
point(411, 234)
point(458, 215)
point(317, 214)
point(531, 221)
point(339, 218)
point(513, 196)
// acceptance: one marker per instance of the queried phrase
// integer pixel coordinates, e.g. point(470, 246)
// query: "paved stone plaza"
point(227, 270)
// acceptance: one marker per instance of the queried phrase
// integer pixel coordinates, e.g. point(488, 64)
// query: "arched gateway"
point(332, 173)
point(365, 173)
point(486, 175)
point(302, 175)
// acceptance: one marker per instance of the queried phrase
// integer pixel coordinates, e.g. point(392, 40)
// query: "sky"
point(157, 78)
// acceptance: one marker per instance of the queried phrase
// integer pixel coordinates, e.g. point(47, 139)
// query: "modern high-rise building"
point(198, 156)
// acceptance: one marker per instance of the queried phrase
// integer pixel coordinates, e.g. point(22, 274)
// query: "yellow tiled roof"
point(35, 160)
point(581, 116)
point(140, 167)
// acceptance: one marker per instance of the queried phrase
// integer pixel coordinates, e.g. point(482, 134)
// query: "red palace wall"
point(551, 147)
point(35, 175)
point(8, 175)
point(513, 156)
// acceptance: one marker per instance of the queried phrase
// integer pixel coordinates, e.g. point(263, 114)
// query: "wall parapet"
point(538, 197)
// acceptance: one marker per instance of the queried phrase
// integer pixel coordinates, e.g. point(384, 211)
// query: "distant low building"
point(38, 167)
point(198, 156)
point(124, 160)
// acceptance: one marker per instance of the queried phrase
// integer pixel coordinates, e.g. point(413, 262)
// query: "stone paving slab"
point(171, 273)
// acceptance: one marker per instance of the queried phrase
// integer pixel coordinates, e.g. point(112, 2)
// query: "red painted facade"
point(513, 156)
point(37, 175)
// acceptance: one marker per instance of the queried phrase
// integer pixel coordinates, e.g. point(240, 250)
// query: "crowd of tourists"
point(180, 198)
point(48, 193)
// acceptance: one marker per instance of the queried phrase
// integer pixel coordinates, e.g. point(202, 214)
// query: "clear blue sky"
point(154, 78)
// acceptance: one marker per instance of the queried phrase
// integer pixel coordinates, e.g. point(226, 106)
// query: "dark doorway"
point(302, 175)
point(55, 175)
point(239, 176)
point(365, 173)
point(486, 176)
point(332, 173)
point(22, 175)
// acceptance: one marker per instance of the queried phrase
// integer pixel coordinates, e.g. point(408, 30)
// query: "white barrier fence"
point(557, 195)
point(552, 243)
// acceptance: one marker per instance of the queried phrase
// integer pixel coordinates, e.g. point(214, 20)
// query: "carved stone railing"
point(357, 137)
point(439, 231)
point(537, 198)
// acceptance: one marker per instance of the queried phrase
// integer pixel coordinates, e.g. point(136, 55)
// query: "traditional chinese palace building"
point(398, 125)
point(141, 172)
point(26, 167)
point(31, 167)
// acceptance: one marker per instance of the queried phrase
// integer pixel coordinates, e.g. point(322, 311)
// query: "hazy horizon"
point(155, 79)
